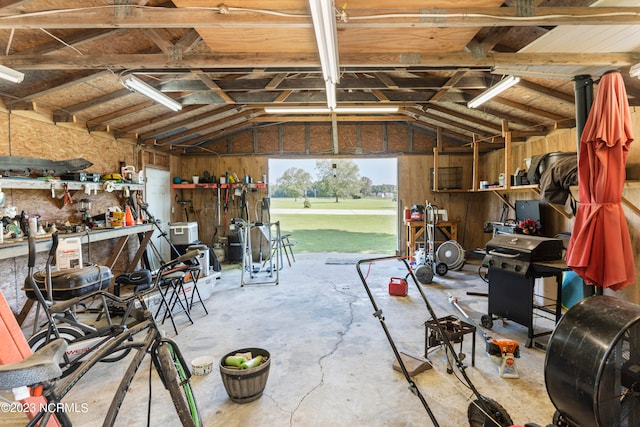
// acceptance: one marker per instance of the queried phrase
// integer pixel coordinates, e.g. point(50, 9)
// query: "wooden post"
point(475, 175)
point(507, 154)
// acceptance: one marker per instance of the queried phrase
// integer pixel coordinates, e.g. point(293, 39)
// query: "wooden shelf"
point(58, 184)
point(214, 186)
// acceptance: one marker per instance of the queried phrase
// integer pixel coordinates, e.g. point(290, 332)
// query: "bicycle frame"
point(153, 339)
point(54, 392)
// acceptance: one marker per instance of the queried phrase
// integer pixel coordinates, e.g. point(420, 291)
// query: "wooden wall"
point(29, 135)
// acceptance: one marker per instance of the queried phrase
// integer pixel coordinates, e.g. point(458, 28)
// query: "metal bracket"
point(525, 8)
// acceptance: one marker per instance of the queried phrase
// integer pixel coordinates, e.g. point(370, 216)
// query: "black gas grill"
point(515, 261)
point(517, 253)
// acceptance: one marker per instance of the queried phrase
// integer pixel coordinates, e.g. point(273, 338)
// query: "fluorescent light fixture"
point(494, 90)
point(11, 74)
point(134, 83)
point(634, 71)
point(324, 24)
point(326, 110)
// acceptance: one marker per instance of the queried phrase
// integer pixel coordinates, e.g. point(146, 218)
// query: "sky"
point(380, 171)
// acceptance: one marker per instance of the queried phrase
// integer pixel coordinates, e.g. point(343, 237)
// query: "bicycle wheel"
point(176, 376)
point(75, 337)
point(69, 334)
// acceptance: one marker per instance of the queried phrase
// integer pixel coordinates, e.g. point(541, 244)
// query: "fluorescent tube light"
point(134, 83)
point(370, 110)
point(494, 90)
point(325, 110)
point(634, 71)
point(324, 24)
point(330, 90)
point(11, 74)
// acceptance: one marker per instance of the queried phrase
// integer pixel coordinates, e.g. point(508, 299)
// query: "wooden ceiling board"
point(350, 5)
point(419, 40)
point(271, 40)
point(264, 52)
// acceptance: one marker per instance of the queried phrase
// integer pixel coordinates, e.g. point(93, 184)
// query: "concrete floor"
point(331, 361)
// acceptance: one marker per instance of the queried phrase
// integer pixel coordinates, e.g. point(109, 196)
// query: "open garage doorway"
point(336, 205)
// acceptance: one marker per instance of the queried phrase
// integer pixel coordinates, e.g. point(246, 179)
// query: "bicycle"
point(42, 368)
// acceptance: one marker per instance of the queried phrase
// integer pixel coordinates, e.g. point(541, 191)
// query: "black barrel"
point(588, 360)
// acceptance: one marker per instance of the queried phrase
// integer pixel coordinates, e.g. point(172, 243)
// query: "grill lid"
point(529, 248)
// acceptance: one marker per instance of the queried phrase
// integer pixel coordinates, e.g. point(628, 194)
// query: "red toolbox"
point(398, 287)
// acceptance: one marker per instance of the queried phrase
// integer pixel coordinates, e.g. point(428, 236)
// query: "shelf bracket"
point(504, 199)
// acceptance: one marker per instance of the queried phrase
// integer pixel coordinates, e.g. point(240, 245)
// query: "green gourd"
point(236, 361)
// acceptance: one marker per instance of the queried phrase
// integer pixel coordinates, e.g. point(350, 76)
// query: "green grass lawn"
point(360, 233)
point(330, 203)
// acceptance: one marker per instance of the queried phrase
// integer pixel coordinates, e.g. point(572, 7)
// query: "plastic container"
point(203, 259)
point(398, 287)
point(246, 385)
point(202, 365)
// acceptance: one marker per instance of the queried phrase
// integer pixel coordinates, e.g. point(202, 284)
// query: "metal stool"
point(171, 288)
point(194, 272)
point(287, 247)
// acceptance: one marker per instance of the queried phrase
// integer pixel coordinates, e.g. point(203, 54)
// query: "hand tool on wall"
point(183, 203)
point(66, 200)
point(218, 205)
point(226, 205)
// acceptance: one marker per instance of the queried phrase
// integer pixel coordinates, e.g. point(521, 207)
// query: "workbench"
point(12, 249)
point(415, 233)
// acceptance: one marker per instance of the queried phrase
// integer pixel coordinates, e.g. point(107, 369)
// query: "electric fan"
point(592, 365)
point(452, 254)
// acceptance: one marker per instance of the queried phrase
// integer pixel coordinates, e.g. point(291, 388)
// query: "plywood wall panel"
point(268, 140)
point(243, 143)
point(371, 137)
point(25, 137)
point(294, 138)
point(320, 139)
point(422, 142)
point(397, 138)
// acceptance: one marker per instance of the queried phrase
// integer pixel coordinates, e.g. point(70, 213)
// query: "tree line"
point(334, 178)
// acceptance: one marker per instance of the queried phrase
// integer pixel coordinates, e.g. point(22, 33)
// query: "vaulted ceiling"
point(225, 63)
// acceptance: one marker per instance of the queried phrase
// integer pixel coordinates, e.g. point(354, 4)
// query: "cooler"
point(183, 233)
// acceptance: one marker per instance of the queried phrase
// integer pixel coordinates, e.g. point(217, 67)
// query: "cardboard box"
point(183, 233)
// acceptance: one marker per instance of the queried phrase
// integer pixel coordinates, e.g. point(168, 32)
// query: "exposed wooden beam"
point(208, 115)
point(570, 99)
point(214, 87)
point(186, 135)
point(448, 85)
point(462, 116)
point(162, 119)
point(287, 59)
point(523, 107)
point(132, 16)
